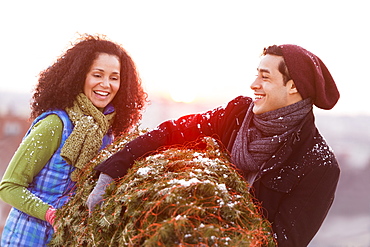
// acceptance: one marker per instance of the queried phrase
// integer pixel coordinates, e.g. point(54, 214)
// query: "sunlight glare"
point(184, 95)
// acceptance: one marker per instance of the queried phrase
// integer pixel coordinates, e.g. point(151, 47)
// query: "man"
point(273, 141)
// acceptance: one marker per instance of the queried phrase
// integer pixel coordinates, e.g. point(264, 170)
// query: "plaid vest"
point(52, 185)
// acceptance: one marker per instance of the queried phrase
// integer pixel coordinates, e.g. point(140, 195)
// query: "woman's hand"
point(96, 196)
point(50, 216)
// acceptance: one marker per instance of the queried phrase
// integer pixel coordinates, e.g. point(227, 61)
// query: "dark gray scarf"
point(261, 135)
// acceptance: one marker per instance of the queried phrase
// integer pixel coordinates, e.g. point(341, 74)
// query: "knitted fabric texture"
point(261, 135)
point(90, 126)
point(311, 76)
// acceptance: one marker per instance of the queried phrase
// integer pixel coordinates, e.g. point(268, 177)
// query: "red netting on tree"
point(181, 196)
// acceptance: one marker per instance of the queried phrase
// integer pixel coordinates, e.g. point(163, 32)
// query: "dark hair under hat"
point(311, 76)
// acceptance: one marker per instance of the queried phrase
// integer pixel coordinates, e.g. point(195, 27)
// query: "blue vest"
point(52, 185)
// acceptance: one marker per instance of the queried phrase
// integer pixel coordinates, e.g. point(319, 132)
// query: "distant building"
point(12, 130)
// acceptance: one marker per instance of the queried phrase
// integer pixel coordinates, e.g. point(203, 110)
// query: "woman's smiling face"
point(103, 80)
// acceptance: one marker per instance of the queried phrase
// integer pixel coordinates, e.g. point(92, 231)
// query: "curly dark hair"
point(59, 85)
point(283, 69)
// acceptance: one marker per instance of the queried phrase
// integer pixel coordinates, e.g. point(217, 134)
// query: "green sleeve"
point(32, 155)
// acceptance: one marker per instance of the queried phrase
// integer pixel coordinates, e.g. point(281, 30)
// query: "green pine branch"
point(180, 196)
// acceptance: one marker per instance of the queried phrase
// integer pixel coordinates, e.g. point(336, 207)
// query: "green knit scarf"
point(90, 126)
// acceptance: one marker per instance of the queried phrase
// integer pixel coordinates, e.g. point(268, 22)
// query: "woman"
point(91, 93)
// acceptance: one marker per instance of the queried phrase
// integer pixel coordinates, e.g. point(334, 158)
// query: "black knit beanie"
point(311, 77)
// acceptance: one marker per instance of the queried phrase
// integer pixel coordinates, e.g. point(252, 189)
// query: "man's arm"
point(185, 129)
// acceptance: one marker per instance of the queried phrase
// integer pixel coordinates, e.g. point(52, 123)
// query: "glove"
point(96, 196)
point(50, 216)
point(117, 165)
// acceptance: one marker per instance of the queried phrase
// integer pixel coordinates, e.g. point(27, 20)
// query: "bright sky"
point(201, 49)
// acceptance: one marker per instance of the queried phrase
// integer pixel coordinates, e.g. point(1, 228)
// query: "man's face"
point(269, 89)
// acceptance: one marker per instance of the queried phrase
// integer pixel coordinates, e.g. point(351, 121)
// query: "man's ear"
point(295, 96)
point(292, 88)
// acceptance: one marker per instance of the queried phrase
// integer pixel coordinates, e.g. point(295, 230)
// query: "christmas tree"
point(180, 196)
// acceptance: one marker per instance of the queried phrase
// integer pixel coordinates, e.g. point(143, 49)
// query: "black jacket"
point(295, 191)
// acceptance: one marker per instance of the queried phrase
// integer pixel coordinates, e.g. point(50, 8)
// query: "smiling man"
point(272, 89)
point(273, 142)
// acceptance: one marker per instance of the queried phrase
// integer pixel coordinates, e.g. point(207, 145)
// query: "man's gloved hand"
point(118, 164)
point(96, 196)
